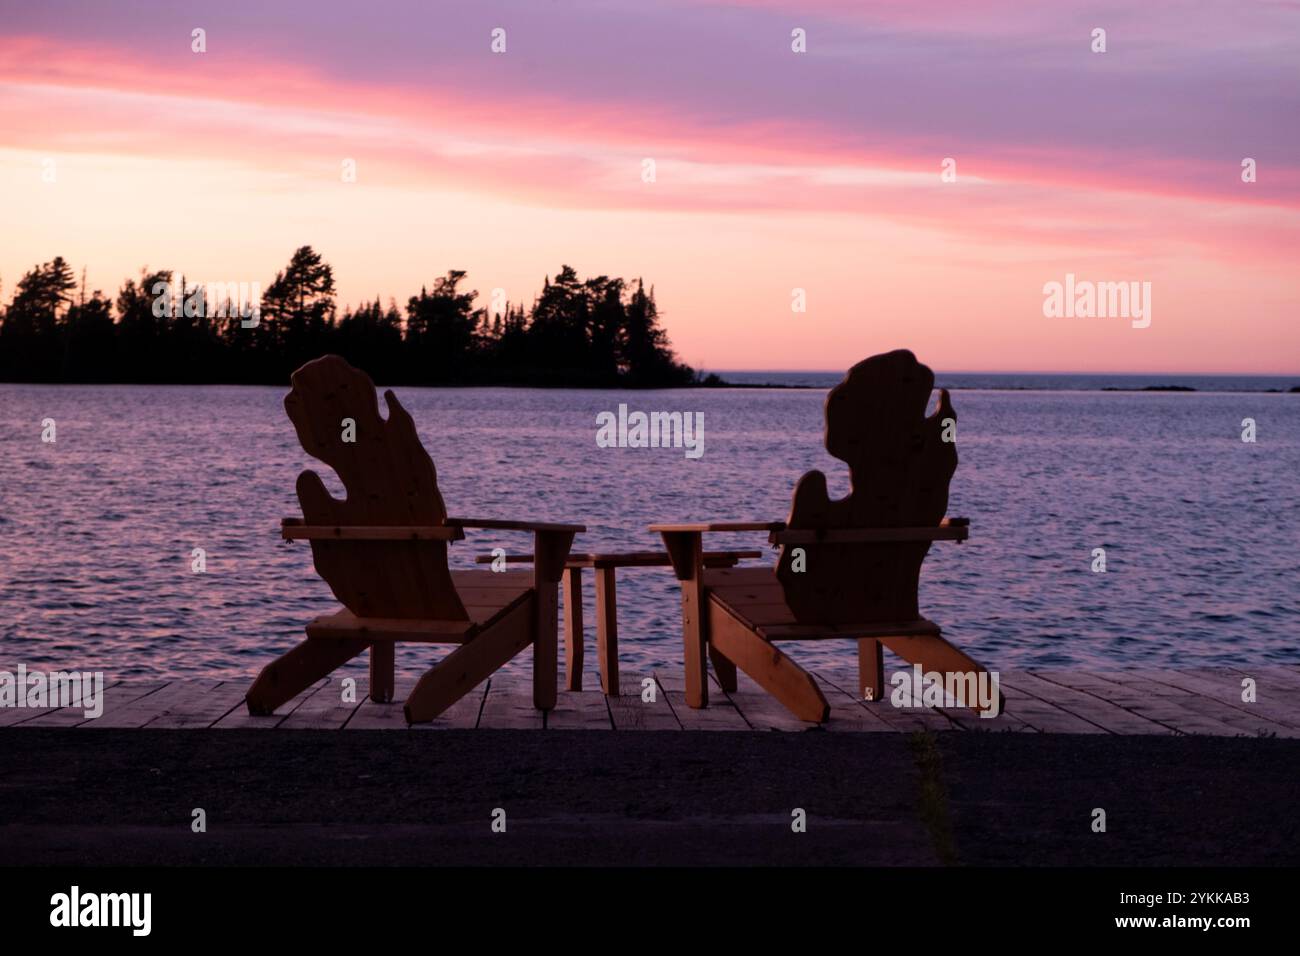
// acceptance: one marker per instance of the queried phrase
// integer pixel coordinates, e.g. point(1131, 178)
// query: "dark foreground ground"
point(126, 797)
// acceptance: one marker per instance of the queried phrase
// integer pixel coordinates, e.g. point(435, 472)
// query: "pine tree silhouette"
point(161, 328)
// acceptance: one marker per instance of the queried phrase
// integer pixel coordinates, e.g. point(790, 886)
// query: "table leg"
point(607, 630)
point(573, 636)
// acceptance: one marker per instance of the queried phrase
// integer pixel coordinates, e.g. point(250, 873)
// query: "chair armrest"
point(684, 541)
point(489, 523)
point(295, 530)
point(719, 526)
point(950, 529)
point(628, 559)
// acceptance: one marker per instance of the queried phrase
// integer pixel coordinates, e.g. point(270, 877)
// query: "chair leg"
point(695, 639)
point(382, 671)
point(773, 671)
point(723, 669)
point(686, 551)
point(871, 668)
point(470, 664)
point(933, 653)
point(546, 652)
point(550, 549)
point(571, 586)
point(292, 673)
point(607, 630)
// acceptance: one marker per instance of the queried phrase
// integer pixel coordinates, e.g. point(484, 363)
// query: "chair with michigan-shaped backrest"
point(383, 552)
point(847, 568)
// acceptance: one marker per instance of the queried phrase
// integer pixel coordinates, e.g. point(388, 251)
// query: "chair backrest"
point(390, 480)
point(899, 467)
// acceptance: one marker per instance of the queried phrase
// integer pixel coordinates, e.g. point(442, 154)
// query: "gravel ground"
point(76, 797)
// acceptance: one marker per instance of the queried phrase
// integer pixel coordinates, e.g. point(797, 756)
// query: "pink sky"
point(774, 170)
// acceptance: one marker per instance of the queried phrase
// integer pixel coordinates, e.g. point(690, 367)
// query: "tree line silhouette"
point(597, 332)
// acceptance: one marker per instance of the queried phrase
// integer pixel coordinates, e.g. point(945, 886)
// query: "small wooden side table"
point(605, 564)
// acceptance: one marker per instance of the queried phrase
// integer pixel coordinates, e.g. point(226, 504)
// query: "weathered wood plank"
point(848, 714)
point(1098, 700)
point(509, 705)
point(1205, 707)
point(1188, 701)
point(961, 718)
point(325, 708)
point(630, 711)
point(139, 712)
point(201, 709)
point(759, 708)
point(241, 719)
point(1043, 716)
point(579, 710)
point(116, 695)
point(15, 716)
point(1280, 705)
point(1282, 680)
point(370, 715)
point(462, 715)
point(907, 720)
point(1146, 701)
point(720, 714)
point(1098, 711)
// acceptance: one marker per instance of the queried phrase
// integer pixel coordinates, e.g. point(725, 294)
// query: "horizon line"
point(818, 371)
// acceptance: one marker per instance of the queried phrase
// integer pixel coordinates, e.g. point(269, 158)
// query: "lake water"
point(1201, 529)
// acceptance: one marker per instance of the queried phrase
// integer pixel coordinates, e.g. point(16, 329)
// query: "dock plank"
point(116, 695)
point(1193, 701)
point(760, 710)
point(959, 718)
point(372, 716)
point(721, 714)
point(324, 708)
point(15, 716)
point(1279, 678)
point(1096, 710)
point(1146, 705)
point(241, 719)
point(848, 714)
point(138, 712)
point(629, 711)
point(203, 707)
point(1203, 706)
point(1045, 717)
point(462, 715)
point(509, 705)
point(1225, 687)
point(1138, 697)
point(907, 720)
point(579, 710)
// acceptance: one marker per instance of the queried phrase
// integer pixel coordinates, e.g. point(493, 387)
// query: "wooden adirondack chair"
point(860, 556)
point(383, 552)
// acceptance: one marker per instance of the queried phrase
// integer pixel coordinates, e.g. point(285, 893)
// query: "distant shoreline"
point(1295, 389)
point(712, 386)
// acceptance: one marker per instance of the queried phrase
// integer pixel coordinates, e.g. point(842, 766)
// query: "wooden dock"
point(1162, 702)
